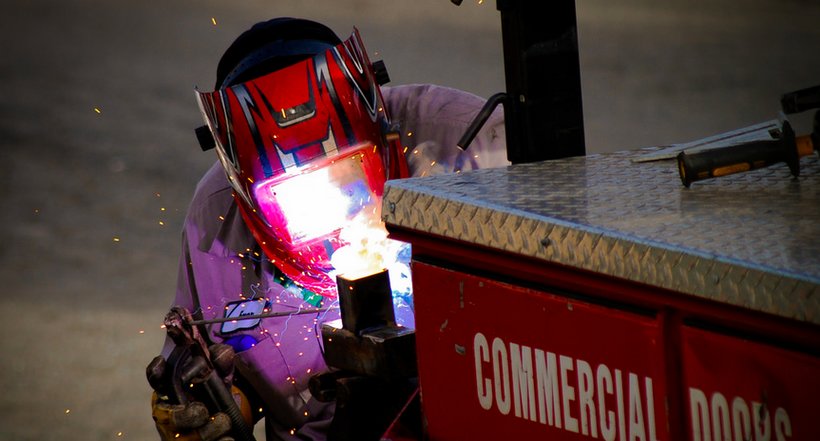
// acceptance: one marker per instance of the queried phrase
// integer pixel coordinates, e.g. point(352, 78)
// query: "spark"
point(161, 208)
point(409, 133)
point(213, 20)
point(67, 411)
point(161, 223)
point(119, 433)
point(142, 331)
point(97, 109)
point(116, 239)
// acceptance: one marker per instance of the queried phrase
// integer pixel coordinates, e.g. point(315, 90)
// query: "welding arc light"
point(316, 201)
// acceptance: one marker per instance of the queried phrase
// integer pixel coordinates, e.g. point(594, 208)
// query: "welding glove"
point(188, 422)
point(192, 421)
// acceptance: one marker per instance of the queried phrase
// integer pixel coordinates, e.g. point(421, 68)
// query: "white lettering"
point(713, 420)
point(782, 425)
point(636, 427)
point(501, 376)
point(721, 427)
point(619, 396)
point(698, 409)
point(586, 392)
point(604, 383)
point(483, 385)
point(552, 391)
point(741, 423)
point(760, 416)
point(523, 389)
point(549, 388)
point(547, 379)
point(567, 393)
point(650, 408)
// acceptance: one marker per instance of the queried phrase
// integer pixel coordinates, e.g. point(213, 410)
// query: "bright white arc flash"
point(367, 250)
point(301, 197)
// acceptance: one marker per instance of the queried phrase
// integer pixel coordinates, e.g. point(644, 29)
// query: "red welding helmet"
point(306, 148)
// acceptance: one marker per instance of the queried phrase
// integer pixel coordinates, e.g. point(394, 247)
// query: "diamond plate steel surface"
point(751, 239)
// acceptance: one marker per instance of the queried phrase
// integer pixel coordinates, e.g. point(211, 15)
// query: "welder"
point(305, 138)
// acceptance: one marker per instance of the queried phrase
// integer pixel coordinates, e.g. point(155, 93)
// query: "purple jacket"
point(222, 270)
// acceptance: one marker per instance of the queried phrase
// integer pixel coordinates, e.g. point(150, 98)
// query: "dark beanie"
point(259, 49)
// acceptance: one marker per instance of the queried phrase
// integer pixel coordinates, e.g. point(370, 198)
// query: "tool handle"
point(728, 160)
point(222, 398)
point(742, 157)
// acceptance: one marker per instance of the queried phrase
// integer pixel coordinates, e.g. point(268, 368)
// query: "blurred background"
point(99, 159)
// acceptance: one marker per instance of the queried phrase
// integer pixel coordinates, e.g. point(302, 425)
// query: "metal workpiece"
point(750, 240)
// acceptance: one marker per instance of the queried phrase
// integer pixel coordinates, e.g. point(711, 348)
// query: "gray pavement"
point(98, 158)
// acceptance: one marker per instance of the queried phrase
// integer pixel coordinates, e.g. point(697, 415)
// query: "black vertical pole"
point(543, 108)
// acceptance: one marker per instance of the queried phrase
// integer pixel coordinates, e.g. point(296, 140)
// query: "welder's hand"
point(192, 421)
point(188, 422)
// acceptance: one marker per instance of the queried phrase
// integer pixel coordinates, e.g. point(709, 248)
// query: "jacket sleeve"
point(207, 204)
point(432, 119)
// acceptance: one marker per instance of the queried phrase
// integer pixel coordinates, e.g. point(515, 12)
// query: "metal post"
point(543, 110)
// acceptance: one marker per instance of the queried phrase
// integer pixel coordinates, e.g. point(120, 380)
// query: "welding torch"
point(752, 155)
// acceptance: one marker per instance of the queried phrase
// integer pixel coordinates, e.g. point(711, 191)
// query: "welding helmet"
point(301, 130)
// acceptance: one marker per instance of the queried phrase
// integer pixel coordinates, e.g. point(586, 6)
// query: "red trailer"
point(596, 297)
